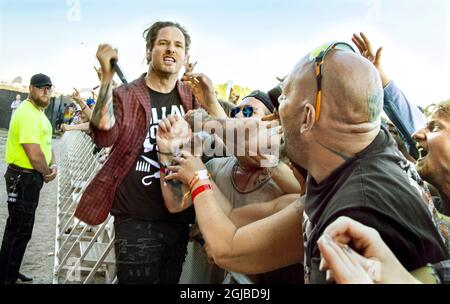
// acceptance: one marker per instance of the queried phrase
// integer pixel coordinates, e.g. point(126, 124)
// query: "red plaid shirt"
point(132, 109)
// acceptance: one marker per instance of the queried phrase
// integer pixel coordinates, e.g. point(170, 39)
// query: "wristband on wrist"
point(184, 200)
point(199, 190)
point(163, 167)
point(202, 174)
point(164, 170)
point(198, 176)
point(84, 107)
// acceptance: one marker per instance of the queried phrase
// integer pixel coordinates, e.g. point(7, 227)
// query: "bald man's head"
point(352, 100)
point(352, 89)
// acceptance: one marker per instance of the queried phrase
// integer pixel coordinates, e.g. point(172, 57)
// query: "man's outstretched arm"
point(270, 243)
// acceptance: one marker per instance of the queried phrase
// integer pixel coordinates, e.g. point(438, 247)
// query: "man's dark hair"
point(151, 33)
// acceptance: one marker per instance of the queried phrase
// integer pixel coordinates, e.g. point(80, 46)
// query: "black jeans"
point(149, 252)
point(23, 190)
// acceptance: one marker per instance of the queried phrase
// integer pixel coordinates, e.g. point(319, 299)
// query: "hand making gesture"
point(365, 48)
point(203, 89)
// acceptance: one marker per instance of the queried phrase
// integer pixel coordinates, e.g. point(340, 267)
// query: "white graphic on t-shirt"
point(145, 167)
point(147, 164)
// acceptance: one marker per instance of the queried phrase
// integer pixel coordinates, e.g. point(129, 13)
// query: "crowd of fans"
point(348, 197)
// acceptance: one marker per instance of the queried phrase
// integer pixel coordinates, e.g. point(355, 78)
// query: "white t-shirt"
point(15, 104)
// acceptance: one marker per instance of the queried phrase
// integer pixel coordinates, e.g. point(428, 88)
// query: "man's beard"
point(293, 148)
point(39, 102)
point(163, 71)
point(295, 152)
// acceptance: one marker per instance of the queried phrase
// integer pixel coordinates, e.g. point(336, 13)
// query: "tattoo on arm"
point(103, 114)
point(374, 106)
point(175, 188)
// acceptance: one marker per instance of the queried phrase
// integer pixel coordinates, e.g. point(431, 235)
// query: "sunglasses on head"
point(247, 111)
point(318, 55)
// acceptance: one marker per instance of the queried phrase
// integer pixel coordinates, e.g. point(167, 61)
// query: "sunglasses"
point(247, 111)
point(46, 87)
point(318, 55)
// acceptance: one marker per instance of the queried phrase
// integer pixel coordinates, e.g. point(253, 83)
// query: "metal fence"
point(83, 253)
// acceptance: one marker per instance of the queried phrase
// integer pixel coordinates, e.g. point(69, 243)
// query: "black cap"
point(263, 97)
point(274, 93)
point(40, 80)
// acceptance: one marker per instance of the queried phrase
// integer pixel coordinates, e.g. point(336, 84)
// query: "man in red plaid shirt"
point(150, 242)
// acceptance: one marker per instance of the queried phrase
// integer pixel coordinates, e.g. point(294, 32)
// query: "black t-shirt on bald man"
point(377, 188)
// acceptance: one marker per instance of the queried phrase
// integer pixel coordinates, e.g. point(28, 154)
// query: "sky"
point(249, 42)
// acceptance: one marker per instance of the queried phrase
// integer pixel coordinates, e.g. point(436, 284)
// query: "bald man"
point(354, 167)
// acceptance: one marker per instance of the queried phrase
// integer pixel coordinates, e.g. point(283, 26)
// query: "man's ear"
point(149, 56)
point(309, 118)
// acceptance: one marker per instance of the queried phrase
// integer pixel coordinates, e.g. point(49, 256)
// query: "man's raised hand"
point(366, 50)
point(105, 53)
point(173, 132)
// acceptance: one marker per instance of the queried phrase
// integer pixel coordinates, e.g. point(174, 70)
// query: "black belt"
point(20, 169)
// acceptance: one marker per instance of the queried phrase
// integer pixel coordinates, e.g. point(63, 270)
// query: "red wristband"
point(199, 190)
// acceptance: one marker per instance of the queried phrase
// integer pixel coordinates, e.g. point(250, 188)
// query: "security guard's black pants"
point(23, 188)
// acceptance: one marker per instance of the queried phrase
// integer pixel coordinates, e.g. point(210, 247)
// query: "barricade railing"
point(82, 252)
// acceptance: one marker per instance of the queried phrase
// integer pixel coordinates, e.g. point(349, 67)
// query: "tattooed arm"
point(103, 115)
point(173, 132)
point(173, 190)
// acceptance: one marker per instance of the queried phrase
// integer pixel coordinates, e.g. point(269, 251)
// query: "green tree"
point(221, 90)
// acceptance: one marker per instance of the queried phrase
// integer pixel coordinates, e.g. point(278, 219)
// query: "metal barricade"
point(82, 252)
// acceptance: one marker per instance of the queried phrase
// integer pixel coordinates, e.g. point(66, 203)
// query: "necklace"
point(263, 178)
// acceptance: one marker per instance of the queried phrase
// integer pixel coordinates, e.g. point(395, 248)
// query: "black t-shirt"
point(139, 195)
point(378, 189)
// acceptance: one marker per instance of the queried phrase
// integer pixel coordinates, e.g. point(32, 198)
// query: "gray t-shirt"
point(196, 268)
point(221, 171)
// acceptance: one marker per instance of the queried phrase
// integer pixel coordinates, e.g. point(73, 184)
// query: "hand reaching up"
point(173, 132)
point(365, 48)
point(76, 96)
